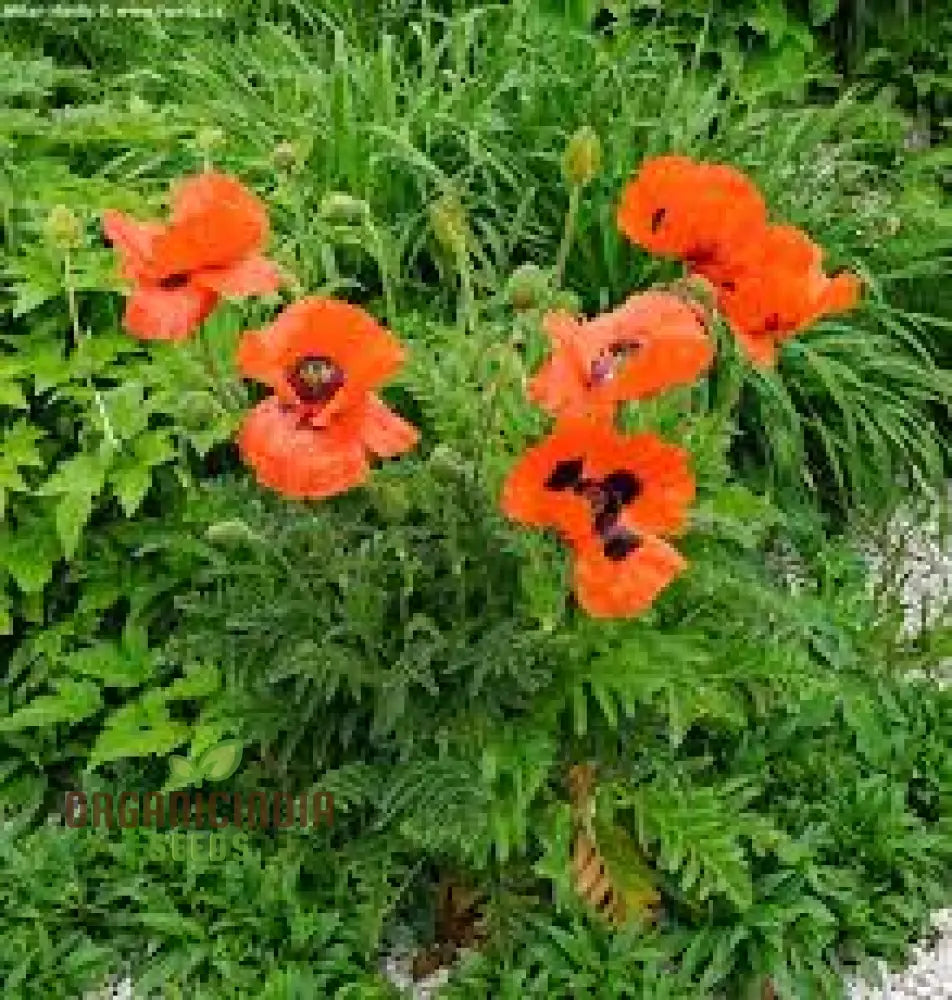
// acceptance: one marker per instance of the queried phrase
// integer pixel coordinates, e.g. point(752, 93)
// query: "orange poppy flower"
point(696, 211)
point(323, 358)
point(582, 476)
point(622, 572)
point(650, 343)
point(210, 249)
point(610, 496)
point(776, 287)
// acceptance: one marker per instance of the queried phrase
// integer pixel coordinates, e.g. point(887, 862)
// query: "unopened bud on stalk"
point(582, 158)
point(208, 139)
point(448, 219)
point(528, 287)
point(344, 208)
point(63, 228)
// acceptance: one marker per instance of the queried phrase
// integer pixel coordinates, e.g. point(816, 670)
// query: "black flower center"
point(607, 498)
point(316, 379)
point(567, 474)
point(657, 218)
point(174, 281)
point(619, 543)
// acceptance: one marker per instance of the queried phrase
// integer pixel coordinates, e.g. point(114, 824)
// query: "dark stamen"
point(622, 486)
point(173, 281)
point(316, 379)
point(657, 218)
point(566, 475)
point(619, 544)
point(605, 366)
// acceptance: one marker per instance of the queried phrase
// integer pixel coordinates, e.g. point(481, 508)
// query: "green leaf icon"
point(182, 771)
point(221, 761)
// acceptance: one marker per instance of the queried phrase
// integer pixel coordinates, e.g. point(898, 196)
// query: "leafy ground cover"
point(768, 790)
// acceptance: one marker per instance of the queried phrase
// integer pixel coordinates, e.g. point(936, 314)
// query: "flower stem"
point(568, 233)
point(108, 432)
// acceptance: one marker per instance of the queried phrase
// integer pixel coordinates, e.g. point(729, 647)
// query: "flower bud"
point(344, 209)
point(63, 228)
point(448, 219)
point(209, 138)
point(528, 287)
point(582, 158)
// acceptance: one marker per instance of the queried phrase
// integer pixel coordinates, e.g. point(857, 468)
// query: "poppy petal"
point(384, 432)
point(528, 495)
point(609, 588)
point(154, 313)
point(216, 221)
point(252, 276)
point(292, 457)
point(132, 240)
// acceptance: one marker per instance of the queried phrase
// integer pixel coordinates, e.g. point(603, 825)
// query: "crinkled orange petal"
point(560, 384)
point(674, 346)
point(841, 294)
point(216, 221)
point(316, 326)
point(525, 497)
point(667, 484)
point(252, 276)
point(293, 458)
point(607, 588)
point(132, 240)
point(154, 313)
point(384, 432)
point(673, 349)
point(676, 206)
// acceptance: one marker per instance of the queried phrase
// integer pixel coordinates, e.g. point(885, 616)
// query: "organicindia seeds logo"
point(181, 809)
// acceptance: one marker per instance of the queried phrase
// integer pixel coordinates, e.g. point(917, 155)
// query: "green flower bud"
point(208, 139)
point(528, 287)
point(582, 158)
point(344, 209)
point(63, 228)
point(448, 219)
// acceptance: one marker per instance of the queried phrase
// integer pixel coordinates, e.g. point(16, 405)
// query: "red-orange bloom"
point(622, 574)
point(776, 286)
point(610, 496)
point(208, 250)
point(695, 211)
point(324, 359)
point(650, 343)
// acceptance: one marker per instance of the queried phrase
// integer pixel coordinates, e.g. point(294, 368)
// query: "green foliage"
point(403, 646)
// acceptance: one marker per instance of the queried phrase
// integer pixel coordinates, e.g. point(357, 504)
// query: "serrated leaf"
point(73, 511)
point(111, 666)
point(123, 737)
point(221, 761)
point(73, 702)
point(29, 554)
point(130, 482)
point(199, 681)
